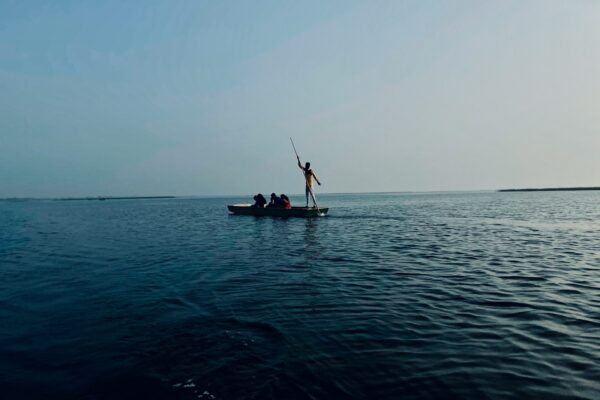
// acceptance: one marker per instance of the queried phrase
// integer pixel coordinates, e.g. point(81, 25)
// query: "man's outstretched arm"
point(316, 179)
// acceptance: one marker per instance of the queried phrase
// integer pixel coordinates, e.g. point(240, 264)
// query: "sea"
point(481, 295)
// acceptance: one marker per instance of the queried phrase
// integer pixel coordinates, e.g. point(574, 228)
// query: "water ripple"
point(481, 295)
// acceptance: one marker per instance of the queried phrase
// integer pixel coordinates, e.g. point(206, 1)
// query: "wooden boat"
point(302, 212)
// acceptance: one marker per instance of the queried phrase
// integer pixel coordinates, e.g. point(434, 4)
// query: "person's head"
point(273, 195)
point(283, 196)
point(307, 165)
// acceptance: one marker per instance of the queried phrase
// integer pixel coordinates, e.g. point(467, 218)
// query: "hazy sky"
point(200, 97)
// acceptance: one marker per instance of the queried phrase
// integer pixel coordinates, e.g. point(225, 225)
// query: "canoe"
point(302, 212)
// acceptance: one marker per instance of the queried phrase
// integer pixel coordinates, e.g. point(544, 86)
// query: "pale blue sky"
point(200, 98)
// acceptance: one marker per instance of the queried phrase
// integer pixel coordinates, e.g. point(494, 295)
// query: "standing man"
point(309, 175)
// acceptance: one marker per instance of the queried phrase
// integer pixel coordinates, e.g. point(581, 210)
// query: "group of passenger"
point(281, 201)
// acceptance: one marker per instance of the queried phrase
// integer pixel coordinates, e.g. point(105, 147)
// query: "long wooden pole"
point(295, 149)
point(312, 195)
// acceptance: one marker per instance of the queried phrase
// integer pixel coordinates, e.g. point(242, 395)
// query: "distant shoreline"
point(101, 198)
point(116, 198)
point(567, 189)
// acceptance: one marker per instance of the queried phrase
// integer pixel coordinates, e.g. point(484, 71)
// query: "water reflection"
point(310, 232)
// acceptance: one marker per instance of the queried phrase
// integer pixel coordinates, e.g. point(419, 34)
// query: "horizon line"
point(116, 197)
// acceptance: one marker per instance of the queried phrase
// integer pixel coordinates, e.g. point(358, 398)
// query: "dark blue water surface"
point(465, 295)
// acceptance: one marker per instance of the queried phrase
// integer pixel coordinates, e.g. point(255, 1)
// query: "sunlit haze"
point(200, 98)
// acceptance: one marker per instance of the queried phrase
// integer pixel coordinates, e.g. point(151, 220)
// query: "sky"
point(201, 97)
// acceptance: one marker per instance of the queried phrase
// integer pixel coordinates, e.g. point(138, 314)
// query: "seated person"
point(286, 201)
point(275, 202)
point(259, 201)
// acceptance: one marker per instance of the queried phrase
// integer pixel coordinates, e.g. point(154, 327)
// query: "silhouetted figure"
point(275, 202)
point(285, 201)
point(309, 175)
point(259, 201)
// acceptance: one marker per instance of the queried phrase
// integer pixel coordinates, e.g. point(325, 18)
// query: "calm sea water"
point(432, 296)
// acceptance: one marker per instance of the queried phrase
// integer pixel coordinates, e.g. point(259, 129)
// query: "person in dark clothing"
point(275, 201)
point(259, 201)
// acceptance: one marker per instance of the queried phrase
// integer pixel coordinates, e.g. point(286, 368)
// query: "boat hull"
point(298, 212)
